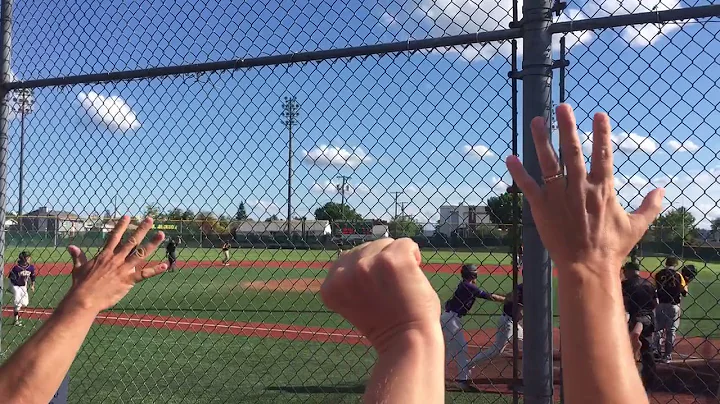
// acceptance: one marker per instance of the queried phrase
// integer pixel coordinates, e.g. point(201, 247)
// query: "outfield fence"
point(324, 124)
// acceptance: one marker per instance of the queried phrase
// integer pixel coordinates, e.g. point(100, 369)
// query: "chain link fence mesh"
point(407, 144)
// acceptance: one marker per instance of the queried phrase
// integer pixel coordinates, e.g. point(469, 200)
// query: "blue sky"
point(422, 123)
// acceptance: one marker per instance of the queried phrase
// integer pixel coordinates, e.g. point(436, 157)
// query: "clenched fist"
point(380, 288)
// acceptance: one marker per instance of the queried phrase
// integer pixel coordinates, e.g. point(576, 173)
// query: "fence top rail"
point(371, 50)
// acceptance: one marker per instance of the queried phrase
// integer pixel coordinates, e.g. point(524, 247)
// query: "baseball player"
point(505, 325)
point(20, 275)
point(455, 308)
point(171, 252)
point(640, 299)
point(671, 288)
point(226, 253)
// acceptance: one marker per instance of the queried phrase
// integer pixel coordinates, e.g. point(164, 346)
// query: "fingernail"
point(512, 158)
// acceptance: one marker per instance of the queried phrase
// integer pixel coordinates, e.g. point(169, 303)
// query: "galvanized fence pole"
point(537, 274)
point(6, 27)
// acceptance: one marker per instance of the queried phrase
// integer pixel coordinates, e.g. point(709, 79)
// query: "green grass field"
point(51, 255)
point(137, 364)
point(118, 364)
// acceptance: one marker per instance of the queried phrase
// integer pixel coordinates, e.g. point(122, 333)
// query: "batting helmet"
point(22, 258)
point(469, 271)
point(689, 272)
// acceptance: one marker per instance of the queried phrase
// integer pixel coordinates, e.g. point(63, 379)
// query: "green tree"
point(208, 222)
point(272, 218)
point(334, 211)
point(715, 228)
point(153, 211)
point(241, 213)
point(500, 209)
point(175, 214)
point(403, 226)
point(223, 223)
point(676, 225)
point(188, 215)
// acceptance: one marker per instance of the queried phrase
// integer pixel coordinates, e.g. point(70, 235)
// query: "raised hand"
point(577, 215)
point(380, 288)
point(100, 283)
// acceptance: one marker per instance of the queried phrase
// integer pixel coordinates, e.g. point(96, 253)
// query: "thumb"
point(648, 210)
point(77, 255)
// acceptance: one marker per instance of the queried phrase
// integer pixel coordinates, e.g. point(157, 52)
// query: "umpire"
point(671, 288)
point(640, 298)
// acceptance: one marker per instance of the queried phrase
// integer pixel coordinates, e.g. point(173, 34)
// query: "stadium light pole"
point(22, 103)
point(290, 113)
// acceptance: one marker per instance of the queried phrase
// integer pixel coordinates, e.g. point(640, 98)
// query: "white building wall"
point(460, 217)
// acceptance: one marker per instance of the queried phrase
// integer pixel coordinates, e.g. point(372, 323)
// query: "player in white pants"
point(504, 333)
point(456, 348)
point(21, 275)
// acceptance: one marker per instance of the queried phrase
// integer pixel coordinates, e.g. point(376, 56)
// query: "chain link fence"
point(266, 137)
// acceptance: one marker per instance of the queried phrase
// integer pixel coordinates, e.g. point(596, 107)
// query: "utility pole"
point(402, 208)
point(290, 113)
point(22, 103)
point(342, 187)
point(397, 194)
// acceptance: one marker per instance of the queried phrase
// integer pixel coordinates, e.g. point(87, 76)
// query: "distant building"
point(359, 231)
point(43, 220)
point(463, 219)
point(313, 228)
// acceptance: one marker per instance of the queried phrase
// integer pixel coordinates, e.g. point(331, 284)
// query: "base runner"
point(459, 305)
point(20, 275)
point(505, 328)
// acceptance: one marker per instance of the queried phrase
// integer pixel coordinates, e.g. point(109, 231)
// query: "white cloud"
point(477, 151)
point(333, 188)
point(640, 35)
point(498, 185)
point(261, 207)
point(631, 142)
point(627, 142)
point(325, 156)
point(411, 190)
point(686, 146)
point(573, 38)
point(453, 17)
point(648, 34)
point(695, 189)
point(387, 19)
point(111, 112)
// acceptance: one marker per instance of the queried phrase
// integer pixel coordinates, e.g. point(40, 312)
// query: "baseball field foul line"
point(246, 329)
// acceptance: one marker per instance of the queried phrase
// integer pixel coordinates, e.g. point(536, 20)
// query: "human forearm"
point(593, 316)
point(409, 369)
point(45, 358)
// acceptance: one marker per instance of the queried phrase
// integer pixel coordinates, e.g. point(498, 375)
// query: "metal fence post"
point(537, 274)
point(5, 20)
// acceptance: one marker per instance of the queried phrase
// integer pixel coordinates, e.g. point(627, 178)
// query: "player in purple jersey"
point(20, 275)
point(505, 326)
point(458, 306)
